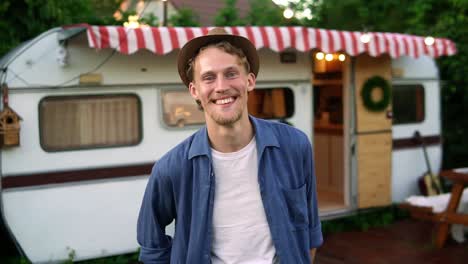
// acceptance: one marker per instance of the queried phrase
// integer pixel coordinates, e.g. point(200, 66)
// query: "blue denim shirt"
point(181, 187)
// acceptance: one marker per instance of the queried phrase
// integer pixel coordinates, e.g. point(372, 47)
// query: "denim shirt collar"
point(264, 137)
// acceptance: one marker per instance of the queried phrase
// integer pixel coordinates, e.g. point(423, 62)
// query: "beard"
point(224, 120)
point(229, 117)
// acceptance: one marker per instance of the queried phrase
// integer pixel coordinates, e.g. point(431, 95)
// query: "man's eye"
point(208, 78)
point(231, 74)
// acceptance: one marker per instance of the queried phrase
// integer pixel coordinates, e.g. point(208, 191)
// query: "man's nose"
point(221, 84)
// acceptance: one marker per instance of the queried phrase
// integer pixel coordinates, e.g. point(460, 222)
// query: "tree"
point(104, 11)
point(358, 15)
point(449, 19)
point(228, 15)
point(185, 17)
point(264, 13)
point(422, 17)
point(39, 16)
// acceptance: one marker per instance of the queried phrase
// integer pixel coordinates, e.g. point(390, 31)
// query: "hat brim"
point(193, 46)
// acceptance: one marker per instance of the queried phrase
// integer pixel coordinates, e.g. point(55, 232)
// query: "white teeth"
point(224, 101)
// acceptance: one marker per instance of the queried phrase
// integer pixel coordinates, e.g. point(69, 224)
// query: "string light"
point(288, 13)
point(429, 41)
point(319, 56)
point(330, 56)
point(365, 38)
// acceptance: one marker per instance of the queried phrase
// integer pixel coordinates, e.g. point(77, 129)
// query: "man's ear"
point(193, 91)
point(251, 80)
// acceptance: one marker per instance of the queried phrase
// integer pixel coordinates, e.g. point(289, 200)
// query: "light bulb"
point(319, 56)
point(365, 38)
point(288, 13)
point(429, 41)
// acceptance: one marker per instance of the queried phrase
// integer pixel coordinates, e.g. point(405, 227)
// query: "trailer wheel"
point(376, 82)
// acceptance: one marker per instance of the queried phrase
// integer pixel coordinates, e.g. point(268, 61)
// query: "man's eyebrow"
point(230, 68)
point(207, 73)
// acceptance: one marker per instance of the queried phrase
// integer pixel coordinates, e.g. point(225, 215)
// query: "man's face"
point(221, 84)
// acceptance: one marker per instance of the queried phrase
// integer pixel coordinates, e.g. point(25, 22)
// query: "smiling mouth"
point(224, 101)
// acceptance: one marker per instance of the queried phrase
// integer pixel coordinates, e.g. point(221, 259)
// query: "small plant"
point(363, 220)
point(23, 260)
point(14, 260)
point(131, 258)
point(71, 255)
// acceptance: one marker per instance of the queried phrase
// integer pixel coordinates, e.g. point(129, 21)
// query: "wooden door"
point(374, 137)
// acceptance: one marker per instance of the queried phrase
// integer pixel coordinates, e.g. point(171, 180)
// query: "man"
point(241, 189)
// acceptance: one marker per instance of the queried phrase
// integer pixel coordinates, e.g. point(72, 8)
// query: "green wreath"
point(372, 83)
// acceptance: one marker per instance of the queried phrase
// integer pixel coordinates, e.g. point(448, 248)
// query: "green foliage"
point(14, 260)
point(228, 15)
point(185, 17)
point(363, 220)
point(71, 256)
point(449, 19)
point(121, 259)
point(376, 82)
point(149, 19)
point(359, 15)
point(264, 13)
point(422, 17)
point(103, 11)
point(24, 19)
point(131, 258)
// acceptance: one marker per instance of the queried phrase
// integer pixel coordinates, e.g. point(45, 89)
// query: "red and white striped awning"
point(162, 40)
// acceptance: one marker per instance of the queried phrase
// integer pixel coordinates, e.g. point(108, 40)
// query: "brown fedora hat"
point(216, 35)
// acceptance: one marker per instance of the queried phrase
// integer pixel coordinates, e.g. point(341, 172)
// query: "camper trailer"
point(99, 105)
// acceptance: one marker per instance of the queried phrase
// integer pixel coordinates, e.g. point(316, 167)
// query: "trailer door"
point(373, 137)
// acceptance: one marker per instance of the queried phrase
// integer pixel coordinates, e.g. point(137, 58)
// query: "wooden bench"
point(450, 215)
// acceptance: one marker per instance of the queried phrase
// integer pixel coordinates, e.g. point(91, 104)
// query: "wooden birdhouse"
point(9, 127)
point(9, 122)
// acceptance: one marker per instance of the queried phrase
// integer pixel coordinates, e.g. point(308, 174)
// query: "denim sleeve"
point(315, 229)
point(157, 211)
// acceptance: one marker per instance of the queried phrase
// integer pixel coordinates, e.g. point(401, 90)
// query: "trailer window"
point(90, 121)
point(271, 103)
point(408, 104)
point(180, 109)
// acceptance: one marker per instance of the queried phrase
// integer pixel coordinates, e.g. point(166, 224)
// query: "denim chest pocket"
point(296, 205)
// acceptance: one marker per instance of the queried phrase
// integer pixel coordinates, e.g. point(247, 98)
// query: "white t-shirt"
point(240, 229)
